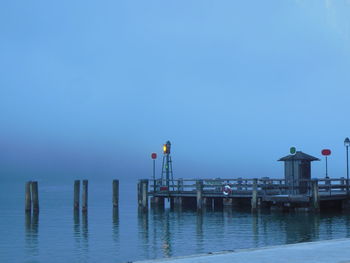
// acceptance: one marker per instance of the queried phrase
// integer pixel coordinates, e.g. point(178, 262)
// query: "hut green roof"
point(299, 156)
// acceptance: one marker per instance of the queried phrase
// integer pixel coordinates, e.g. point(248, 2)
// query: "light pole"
point(154, 157)
point(346, 144)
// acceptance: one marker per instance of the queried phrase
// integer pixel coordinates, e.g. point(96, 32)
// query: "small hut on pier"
point(297, 167)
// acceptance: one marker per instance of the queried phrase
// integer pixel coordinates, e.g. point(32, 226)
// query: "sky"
point(91, 88)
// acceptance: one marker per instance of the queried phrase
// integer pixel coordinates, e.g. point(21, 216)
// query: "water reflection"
point(76, 226)
point(80, 234)
point(166, 237)
point(85, 231)
point(32, 233)
point(347, 225)
point(329, 230)
point(115, 225)
point(255, 228)
point(199, 231)
point(300, 227)
point(144, 231)
point(166, 233)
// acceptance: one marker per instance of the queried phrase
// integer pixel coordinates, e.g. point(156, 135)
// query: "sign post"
point(326, 152)
point(293, 151)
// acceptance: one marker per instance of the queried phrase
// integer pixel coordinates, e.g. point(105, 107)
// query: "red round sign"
point(154, 156)
point(326, 152)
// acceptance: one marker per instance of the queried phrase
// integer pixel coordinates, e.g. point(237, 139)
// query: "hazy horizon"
point(91, 89)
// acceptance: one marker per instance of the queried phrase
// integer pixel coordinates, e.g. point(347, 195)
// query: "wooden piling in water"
point(157, 202)
point(227, 202)
point(28, 197)
point(208, 202)
point(138, 194)
point(315, 195)
point(143, 194)
point(199, 189)
point(85, 196)
point(76, 194)
point(35, 196)
point(115, 199)
point(178, 202)
point(254, 200)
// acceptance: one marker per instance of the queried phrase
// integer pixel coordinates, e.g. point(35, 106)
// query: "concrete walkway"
point(330, 251)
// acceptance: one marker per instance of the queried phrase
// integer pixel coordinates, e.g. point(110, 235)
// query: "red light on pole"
point(154, 156)
point(326, 152)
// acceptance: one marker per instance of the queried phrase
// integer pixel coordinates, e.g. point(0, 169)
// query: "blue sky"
point(91, 88)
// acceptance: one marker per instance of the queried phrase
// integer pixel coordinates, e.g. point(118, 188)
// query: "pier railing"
point(244, 187)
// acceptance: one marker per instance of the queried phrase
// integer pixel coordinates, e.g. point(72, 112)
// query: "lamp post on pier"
point(347, 144)
point(154, 157)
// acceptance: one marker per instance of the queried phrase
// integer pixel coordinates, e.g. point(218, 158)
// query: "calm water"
point(104, 235)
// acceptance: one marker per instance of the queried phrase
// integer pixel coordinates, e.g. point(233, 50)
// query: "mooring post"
point(254, 200)
point(28, 197)
point(144, 194)
point(76, 194)
point(139, 193)
point(199, 189)
point(227, 202)
point(84, 197)
point(208, 202)
point(315, 195)
point(157, 202)
point(35, 197)
point(115, 193)
point(178, 202)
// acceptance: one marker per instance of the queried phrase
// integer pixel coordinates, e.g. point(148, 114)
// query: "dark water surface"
point(106, 235)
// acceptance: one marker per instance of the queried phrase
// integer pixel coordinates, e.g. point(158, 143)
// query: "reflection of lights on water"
point(166, 246)
point(166, 249)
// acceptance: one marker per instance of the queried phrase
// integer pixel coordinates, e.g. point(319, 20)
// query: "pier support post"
point(178, 202)
point(227, 202)
point(35, 197)
point(76, 194)
point(208, 202)
point(254, 200)
point(199, 188)
point(28, 197)
point(157, 202)
point(139, 193)
point(85, 196)
point(144, 194)
point(346, 205)
point(115, 198)
point(315, 198)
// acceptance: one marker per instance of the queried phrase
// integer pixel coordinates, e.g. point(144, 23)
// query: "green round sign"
point(293, 150)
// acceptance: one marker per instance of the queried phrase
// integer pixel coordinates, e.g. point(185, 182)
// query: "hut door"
point(305, 174)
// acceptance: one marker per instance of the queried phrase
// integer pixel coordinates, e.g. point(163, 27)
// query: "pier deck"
point(265, 192)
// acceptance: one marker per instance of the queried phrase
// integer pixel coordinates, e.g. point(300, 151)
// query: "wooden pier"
point(307, 195)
